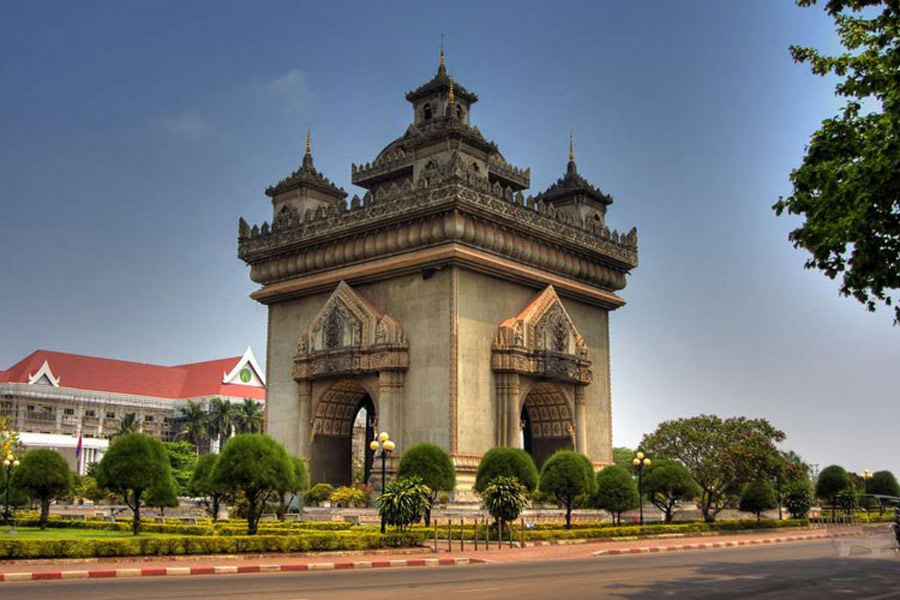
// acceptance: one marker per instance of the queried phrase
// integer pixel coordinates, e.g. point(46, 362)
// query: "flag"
point(78, 448)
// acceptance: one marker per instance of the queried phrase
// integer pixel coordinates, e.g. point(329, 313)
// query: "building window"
point(69, 411)
point(148, 418)
point(459, 112)
point(90, 413)
point(110, 415)
point(31, 408)
point(426, 111)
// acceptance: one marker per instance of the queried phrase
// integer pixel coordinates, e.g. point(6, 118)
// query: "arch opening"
point(345, 419)
point(547, 422)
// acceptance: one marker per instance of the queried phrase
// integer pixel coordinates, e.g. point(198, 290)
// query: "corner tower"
point(443, 301)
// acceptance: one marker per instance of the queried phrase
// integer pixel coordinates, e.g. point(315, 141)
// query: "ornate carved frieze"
point(454, 204)
point(349, 336)
point(542, 341)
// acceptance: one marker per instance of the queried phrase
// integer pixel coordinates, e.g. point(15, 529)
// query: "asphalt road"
point(797, 571)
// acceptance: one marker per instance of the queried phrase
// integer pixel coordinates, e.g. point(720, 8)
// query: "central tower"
point(446, 303)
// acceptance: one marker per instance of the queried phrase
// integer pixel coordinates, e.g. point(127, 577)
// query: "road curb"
point(711, 545)
point(230, 569)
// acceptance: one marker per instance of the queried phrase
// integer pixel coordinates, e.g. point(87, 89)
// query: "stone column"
point(389, 409)
point(513, 413)
point(580, 420)
point(304, 427)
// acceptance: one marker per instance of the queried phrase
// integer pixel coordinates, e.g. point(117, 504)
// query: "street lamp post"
point(640, 461)
point(10, 462)
point(382, 442)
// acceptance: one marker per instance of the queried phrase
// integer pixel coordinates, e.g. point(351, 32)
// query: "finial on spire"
point(451, 97)
point(441, 67)
point(571, 146)
point(307, 158)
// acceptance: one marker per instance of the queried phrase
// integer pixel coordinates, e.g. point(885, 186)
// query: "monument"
point(444, 302)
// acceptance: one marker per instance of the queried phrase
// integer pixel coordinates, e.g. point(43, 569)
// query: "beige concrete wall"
point(422, 306)
point(287, 320)
point(484, 302)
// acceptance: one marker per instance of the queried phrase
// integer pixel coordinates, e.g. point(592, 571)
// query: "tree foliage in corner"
point(848, 187)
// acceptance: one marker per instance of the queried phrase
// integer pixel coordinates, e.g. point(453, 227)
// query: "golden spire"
point(451, 97)
point(571, 147)
point(308, 141)
point(441, 66)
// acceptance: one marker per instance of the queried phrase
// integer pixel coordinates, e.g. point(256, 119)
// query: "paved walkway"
point(21, 570)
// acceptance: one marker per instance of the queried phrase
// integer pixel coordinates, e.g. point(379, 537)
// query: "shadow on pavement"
point(796, 579)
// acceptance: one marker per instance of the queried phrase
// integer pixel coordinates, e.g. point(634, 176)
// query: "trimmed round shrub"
point(506, 462)
point(884, 482)
point(568, 477)
point(348, 497)
point(667, 482)
point(616, 491)
point(43, 475)
point(832, 481)
point(320, 492)
point(757, 497)
point(797, 498)
point(431, 463)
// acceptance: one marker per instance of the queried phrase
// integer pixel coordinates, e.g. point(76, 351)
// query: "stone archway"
point(333, 434)
point(548, 422)
point(540, 347)
point(352, 357)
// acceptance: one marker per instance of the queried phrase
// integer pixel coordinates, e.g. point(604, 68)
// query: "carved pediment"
point(350, 336)
point(542, 341)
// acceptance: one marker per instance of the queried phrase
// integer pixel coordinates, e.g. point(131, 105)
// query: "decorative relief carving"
point(548, 412)
point(542, 341)
point(349, 336)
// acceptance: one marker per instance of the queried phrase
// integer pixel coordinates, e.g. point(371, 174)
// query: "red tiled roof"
point(124, 377)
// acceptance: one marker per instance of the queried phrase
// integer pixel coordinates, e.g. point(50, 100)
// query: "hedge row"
point(231, 528)
point(142, 546)
point(549, 531)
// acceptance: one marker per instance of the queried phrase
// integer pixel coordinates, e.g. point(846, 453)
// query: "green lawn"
point(33, 533)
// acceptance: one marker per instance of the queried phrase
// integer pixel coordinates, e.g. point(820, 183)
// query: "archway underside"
point(333, 434)
point(548, 423)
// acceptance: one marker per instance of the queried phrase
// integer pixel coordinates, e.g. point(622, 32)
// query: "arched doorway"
point(547, 422)
point(344, 421)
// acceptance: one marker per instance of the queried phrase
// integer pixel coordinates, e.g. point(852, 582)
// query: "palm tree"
point(223, 418)
point(249, 417)
point(195, 419)
point(128, 424)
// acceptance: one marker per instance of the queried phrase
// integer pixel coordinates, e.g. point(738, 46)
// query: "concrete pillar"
point(304, 426)
point(389, 409)
point(580, 420)
point(513, 412)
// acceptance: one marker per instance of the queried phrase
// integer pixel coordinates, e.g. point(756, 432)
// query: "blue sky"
point(134, 135)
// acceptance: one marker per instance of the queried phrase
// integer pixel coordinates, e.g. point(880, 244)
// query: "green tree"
point(504, 498)
point(433, 465)
point(847, 499)
point(720, 454)
point(798, 498)
point(848, 186)
point(182, 459)
point(569, 477)
point(195, 427)
point(623, 456)
point(250, 417)
point(667, 482)
point(43, 475)
point(757, 497)
point(616, 492)
point(506, 462)
point(201, 486)
point(832, 480)
point(222, 421)
point(128, 424)
point(255, 465)
point(404, 502)
point(132, 465)
point(884, 483)
point(163, 495)
point(298, 483)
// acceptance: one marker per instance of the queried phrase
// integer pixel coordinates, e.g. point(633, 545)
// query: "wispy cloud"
point(188, 125)
point(290, 88)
